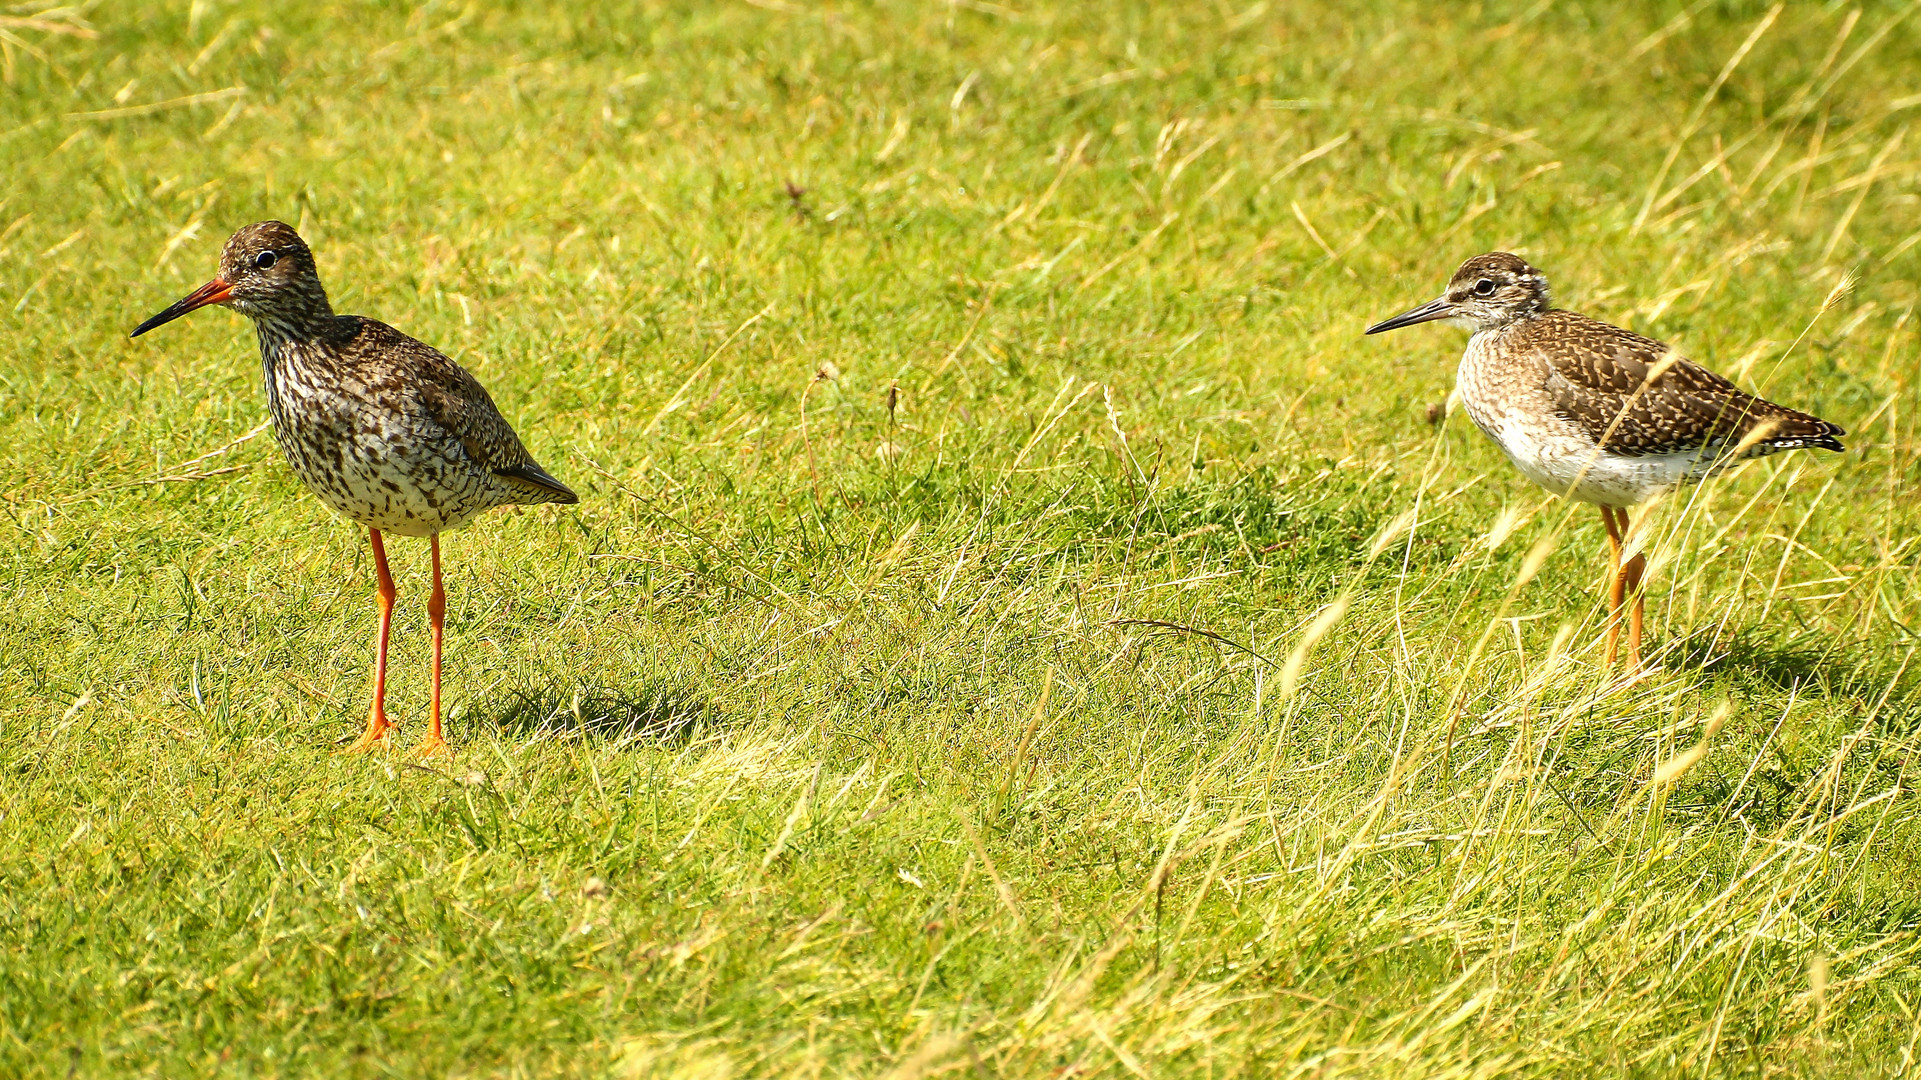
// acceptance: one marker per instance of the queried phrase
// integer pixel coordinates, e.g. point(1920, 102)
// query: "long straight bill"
point(1428, 312)
point(216, 291)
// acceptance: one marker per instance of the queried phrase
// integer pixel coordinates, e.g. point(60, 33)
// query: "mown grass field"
point(1015, 624)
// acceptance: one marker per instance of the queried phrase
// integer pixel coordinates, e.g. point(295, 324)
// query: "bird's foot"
point(372, 738)
point(433, 746)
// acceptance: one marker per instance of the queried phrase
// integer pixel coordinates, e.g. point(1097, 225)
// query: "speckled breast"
point(1506, 395)
point(1497, 391)
point(373, 456)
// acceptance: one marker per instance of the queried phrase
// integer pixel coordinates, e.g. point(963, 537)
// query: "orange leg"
point(1615, 584)
point(1632, 572)
point(436, 618)
point(377, 723)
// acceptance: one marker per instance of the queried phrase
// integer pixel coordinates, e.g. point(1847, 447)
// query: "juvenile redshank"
point(387, 431)
point(1596, 413)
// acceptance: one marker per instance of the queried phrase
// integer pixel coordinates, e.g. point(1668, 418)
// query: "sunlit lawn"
point(1015, 624)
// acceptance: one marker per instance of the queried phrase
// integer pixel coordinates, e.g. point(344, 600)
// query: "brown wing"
point(1636, 398)
point(456, 401)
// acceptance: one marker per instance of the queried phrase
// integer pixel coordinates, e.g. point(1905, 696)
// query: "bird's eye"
point(1484, 287)
point(265, 259)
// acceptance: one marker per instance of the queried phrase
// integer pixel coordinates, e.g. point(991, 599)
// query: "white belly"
point(1558, 458)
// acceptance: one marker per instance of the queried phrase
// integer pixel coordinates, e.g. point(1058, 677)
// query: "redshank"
point(1596, 413)
point(387, 431)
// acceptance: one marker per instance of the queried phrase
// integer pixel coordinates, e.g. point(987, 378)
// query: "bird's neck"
point(294, 348)
point(296, 312)
point(284, 324)
point(1509, 320)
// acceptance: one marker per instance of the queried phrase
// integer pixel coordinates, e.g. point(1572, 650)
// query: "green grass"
point(911, 675)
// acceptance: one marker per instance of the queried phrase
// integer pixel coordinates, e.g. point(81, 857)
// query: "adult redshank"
point(1596, 413)
point(387, 431)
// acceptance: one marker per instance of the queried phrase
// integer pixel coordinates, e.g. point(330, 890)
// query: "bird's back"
point(1633, 396)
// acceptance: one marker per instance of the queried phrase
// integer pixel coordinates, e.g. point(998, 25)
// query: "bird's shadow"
point(1836, 669)
point(653, 714)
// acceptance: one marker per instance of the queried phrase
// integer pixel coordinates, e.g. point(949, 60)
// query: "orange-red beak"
point(216, 291)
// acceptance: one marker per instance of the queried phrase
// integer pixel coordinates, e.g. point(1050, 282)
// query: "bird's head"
point(1487, 292)
point(266, 273)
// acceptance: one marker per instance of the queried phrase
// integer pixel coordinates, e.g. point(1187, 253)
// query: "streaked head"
point(266, 272)
point(1487, 292)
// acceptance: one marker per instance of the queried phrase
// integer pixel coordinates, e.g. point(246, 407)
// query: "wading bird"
point(385, 430)
point(1596, 413)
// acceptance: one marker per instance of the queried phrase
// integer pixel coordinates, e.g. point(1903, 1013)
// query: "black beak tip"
point(161, 319)
point(1428, 312)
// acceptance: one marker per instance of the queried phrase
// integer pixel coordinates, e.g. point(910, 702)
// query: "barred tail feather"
point(1791, 430)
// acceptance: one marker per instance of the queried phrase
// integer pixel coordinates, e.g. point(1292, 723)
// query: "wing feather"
point(1637, 397)
point(453, 399)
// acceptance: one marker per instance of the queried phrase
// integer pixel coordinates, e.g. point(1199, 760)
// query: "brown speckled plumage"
point(1596, 375)
point(1590, 410)
point(384, 429)
point(1597, 413)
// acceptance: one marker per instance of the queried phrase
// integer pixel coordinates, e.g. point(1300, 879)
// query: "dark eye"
point(1484, 287)
point(265, 259)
